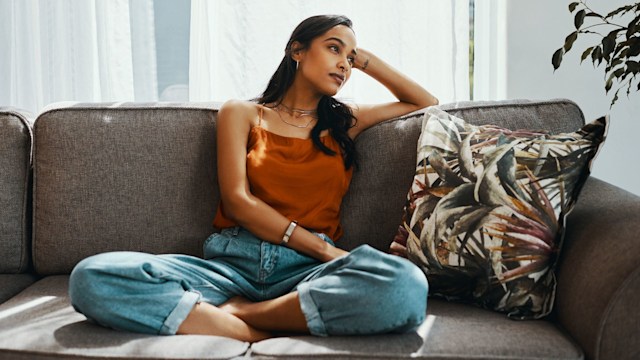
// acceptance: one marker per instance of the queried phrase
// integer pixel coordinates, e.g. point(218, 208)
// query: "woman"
point(284, 164)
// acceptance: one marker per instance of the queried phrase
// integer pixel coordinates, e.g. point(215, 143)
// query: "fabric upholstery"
point(593, 295)
point(620, 324)
point(392, 145)
point(122, 177)
point(451, 331)
point(15, 169)
point(40, 323)
point(11, 284)
point(598, 271)
point(555, 116)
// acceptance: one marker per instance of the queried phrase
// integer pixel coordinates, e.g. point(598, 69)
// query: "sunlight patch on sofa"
point(426, 326)
point(26, 306)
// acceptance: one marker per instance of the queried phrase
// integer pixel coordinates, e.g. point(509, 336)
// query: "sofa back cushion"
point(372, 209)
point(15, 169)
point(108, 177)
point(143, 177)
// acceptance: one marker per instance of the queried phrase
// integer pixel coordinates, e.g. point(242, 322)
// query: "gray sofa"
point(143, 177)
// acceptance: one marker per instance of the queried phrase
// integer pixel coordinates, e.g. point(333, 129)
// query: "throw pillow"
point(485, 215)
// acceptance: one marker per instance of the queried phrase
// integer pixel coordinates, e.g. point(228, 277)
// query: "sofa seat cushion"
point(40, 323)
point(451, 331)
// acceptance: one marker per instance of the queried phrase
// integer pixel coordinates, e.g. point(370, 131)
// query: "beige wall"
point(534, 30)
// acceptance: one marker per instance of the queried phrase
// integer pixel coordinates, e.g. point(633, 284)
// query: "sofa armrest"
point(599, 273)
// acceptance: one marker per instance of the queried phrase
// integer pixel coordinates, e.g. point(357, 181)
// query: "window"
point(200, 50)
point(172, 21)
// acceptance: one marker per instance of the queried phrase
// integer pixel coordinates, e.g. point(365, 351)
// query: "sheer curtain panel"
point(236, 45)
point(490, 59)
point(76, 50)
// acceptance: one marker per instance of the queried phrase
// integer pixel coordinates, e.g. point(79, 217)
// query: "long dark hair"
point(332, 114)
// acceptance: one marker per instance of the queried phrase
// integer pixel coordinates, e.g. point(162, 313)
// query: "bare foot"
point(282, 314)
point(206, 319)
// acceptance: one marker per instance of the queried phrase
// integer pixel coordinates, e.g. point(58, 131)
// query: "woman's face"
point(326, 63)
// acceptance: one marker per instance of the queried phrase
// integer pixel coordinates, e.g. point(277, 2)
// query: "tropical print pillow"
point(485, 215)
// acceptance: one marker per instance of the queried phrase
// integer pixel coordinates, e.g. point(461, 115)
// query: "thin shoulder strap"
point(260, 107)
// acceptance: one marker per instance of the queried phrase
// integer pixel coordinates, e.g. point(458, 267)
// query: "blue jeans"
point(365, 292)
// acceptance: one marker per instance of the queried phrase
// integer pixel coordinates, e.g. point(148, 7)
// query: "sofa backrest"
point(143, 177)
point(122, 177)
point(15, 169)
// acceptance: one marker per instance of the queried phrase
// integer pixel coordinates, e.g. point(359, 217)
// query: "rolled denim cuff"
point(180, 313)
point(310, 311)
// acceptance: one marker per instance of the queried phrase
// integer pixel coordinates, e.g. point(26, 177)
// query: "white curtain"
point(490, 58)
point(236, 45)
point(76, 50)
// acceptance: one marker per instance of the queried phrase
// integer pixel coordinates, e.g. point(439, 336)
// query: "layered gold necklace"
point(296, 114)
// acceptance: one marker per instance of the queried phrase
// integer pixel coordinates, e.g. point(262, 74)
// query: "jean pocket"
point(215, 245)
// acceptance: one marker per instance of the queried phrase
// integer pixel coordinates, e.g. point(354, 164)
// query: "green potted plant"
point(617, 46)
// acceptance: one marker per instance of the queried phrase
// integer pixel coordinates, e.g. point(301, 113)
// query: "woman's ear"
point(296, 51)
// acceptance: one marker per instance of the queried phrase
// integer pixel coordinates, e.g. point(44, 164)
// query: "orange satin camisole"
point(295, 178)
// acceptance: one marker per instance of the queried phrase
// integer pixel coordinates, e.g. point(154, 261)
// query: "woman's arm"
point(411, 96)
point(234, 123)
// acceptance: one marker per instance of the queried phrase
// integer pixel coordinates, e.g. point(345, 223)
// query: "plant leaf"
point(585, 54)
point(633, 27)
point(618, 10)
point(615, 98)
point(579, 19)
point(572, 6)
point(556, 59)
point(609, 43)
point(596, 54)
point(613, 64)
point(634, 49)
point(592, 14)
point(569, 40)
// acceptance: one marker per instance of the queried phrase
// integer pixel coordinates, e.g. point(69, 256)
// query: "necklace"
point(297, 113)
point(294, 125)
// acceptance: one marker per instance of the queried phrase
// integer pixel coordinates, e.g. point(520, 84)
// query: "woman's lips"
point(338, 78)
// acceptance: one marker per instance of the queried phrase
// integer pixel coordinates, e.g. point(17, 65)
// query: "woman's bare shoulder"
point(239, 110)
point(234, 105)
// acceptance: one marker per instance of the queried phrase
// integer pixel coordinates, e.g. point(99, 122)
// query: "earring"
point(297, 63)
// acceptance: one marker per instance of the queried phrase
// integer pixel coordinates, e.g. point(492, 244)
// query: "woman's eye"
point(351, 60)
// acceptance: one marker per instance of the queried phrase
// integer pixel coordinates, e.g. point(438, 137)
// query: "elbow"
point(235, 206)
point(429, 100)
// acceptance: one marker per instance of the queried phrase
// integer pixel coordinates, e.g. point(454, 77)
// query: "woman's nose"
point(342, 66)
